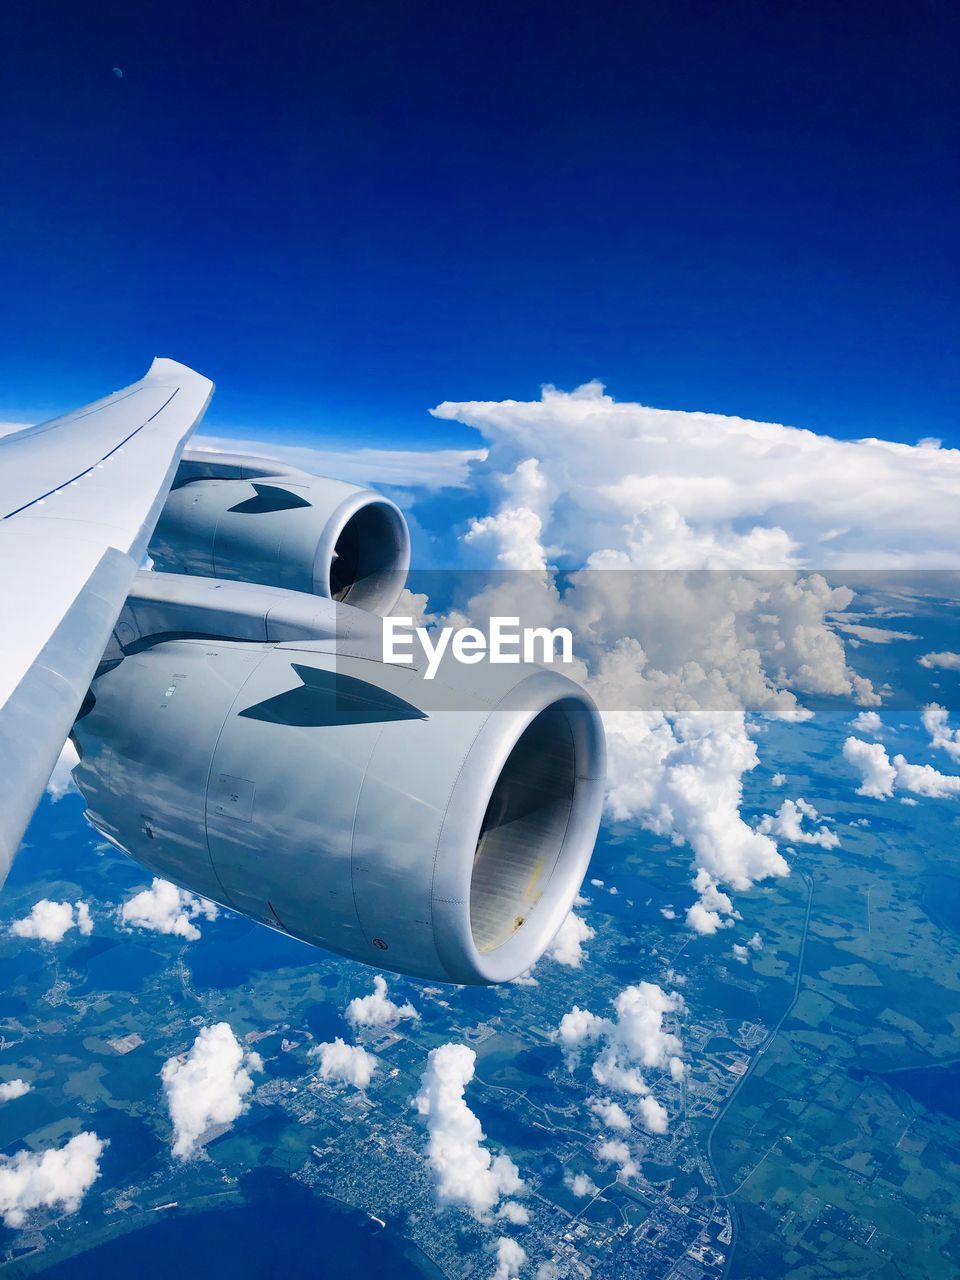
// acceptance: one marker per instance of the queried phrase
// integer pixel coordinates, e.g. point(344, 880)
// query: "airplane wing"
point(79, 497)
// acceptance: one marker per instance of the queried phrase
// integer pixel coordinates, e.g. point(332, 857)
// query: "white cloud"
point(345, 1063)
point(713, 909)
point(741, 953)
point(398, 468)
point(41, 1179)
point(867, 722)
point(207, 1086)
point(881, 775)
point(465, 1172)
point(634, 1039)
point(377, 1009)
point(615, 1151)
point(514, 1212)
point(778, 780)
point(510, 1258)
point(677, 658)
point(581, 1184)
point(942, 737)
point(13, 1089)
point(61, 779)
point(668, 913)
point(52, 921)
point(610, 1113)
point(870, 759)
point(948, 661)
point(866, 503)
point(874, 635)
point(653, 1115)
point(755, 943)
point(567, 947)
point(924, 780)
point(163, 908)
point(787, 824)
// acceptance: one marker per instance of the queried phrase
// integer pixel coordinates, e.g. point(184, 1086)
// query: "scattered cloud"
point(510, 1258)
point(610, 1113)
point(207, 1086)
point(867, 722)
point(881, 776)
point(163, 908)
point(52, 921)
point(787, 824)
point(13, 1089)
point(581, 1184)
point(942, 738)
point(635, 1039)
point(345, 1063)
point(465, 1172)
point(778, 780)
point(741, 953)
point(42, 1179)
point(567, 947)
point(948, 661)
point(615, 1151)
point(377, 1009)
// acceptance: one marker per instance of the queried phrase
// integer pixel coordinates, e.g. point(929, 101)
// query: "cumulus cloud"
point(881, 776)
point(609, 1113)
point(514, 1212)
point(465, 1171)
point(869, 503)
point(567, 947)
point(13, 1089)
point(778, 780)
point(344, 1063)
point(755, 943)
point(615, 1151)
point(207, 1086)
point(52, 921)
point(867, 722)
point(787, 824)
point(942, 738)
point(42, 1179)
point(581, 1184)
point(510, 1258)
point(163, 908)
point(871, 761)
point(677, 658)
point(948, 661)
point(741, 953)
point(377, 1009)
point(635, 1039)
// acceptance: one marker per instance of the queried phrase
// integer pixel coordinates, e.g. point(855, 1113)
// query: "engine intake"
point(254, 520)
point(310, 791)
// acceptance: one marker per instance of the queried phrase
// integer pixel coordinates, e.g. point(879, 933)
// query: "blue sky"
point(347, 213)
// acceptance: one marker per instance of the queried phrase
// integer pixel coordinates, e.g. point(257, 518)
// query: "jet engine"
point(232, 516)
point(318, 790)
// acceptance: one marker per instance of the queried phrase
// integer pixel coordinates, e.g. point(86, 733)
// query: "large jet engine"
point(245, 739)
point(306, 785)
point(233, 516)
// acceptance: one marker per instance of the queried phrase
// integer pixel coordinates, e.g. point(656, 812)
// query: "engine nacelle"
point(311, 791)
point(255, 520)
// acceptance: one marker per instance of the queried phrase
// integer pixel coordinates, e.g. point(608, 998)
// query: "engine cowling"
point(311, 791)
point(253, 520)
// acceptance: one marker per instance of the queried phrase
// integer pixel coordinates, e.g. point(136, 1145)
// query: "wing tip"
point(162, 369)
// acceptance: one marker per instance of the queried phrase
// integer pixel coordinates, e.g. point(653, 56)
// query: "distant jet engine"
point(315, 791)
point(255, 520)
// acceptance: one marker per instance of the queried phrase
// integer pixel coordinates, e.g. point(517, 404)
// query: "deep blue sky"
point(346, 213)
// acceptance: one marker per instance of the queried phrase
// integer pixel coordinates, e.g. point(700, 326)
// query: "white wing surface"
point(79, 497)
